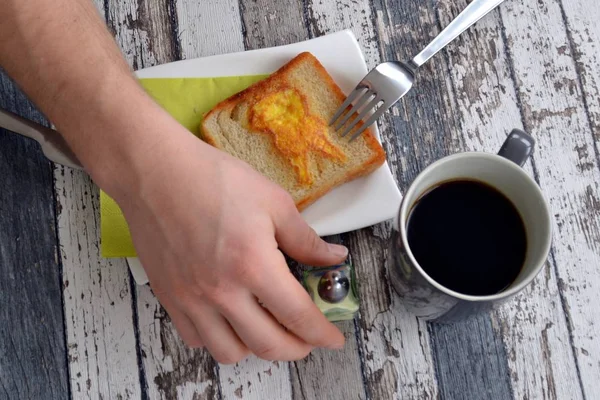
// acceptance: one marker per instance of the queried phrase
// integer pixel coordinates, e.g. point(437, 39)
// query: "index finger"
point(292, 306)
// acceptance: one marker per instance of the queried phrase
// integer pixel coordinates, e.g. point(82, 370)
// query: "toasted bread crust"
point(270, 84)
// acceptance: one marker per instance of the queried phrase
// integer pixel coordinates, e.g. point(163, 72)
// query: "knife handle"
point(54, 146)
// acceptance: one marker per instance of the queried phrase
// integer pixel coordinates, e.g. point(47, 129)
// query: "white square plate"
point(362, 202)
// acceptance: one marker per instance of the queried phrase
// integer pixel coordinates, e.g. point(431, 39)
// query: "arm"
point(63, 57)
point(207, 227)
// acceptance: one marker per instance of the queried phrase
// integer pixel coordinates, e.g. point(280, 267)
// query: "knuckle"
point(247, 270)
point(189, 294)
point(283, 199)
point(242, 259)
point(216, 290)
point(217, 295)
point(280, 194)
point(224, 286)
point(249, 263)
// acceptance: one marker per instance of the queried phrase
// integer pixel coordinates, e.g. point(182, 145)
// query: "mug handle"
point(517, 147)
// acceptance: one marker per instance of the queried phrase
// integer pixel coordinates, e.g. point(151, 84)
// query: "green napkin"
point(187, 100)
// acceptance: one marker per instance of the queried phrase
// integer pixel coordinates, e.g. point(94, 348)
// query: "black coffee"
point(468, 237)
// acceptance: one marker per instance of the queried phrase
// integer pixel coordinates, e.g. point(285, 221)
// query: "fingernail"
point(338, 250)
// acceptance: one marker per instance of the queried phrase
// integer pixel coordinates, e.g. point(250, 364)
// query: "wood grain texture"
point(97, 298)
point(172, 370)
point(271, 23)
point(581, 21)
point(532, 325)
point(256, 379)
point(428, 128)
point(470, 366)
point(422, 121)
point(206, 28)
point(148, 33)
point(326, 373)
point(330, 374)
point(395, 345)
point(143, 30)
point(33, 355)
point(98, 301)
point(550, 97)
point(324, 17)
point(385, 329)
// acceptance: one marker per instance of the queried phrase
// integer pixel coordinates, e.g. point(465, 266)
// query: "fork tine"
point(366, 96)
point(346, 103)
point(362, 114)
point(370, 121)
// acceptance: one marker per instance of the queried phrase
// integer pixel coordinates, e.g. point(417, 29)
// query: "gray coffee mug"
point(427, 298)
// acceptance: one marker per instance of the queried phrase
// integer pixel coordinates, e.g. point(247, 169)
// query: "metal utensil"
point(387, 83)
point(53, 145)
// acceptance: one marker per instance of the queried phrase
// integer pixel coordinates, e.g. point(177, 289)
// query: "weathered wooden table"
point(75, 325)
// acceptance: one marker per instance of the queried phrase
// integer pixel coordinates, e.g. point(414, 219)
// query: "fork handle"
point(471, 14)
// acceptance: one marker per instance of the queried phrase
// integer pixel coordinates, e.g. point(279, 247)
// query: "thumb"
point(300, 241)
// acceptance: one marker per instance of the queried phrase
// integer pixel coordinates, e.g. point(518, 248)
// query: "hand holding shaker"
point(473, 230)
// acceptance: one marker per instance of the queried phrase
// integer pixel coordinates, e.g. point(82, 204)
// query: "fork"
point(387, 83)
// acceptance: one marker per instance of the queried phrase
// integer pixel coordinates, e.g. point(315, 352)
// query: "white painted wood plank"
point(142, 29)
point(328, 17)
point(204, 29)
point(331, 374)
point(144, 32)
point(172, 370)
point(551, 101)
point(582, 23)
point(255, 379)
point(207, 28)
point(582, 18)
point(395, 346)
point(134, 43)
point(269, 23)
point(97, 301)
point(533, 326)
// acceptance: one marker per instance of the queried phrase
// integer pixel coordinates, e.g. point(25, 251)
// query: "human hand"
point(208, 229)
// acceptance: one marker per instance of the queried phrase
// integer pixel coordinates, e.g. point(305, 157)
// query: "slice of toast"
point(280, 127)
